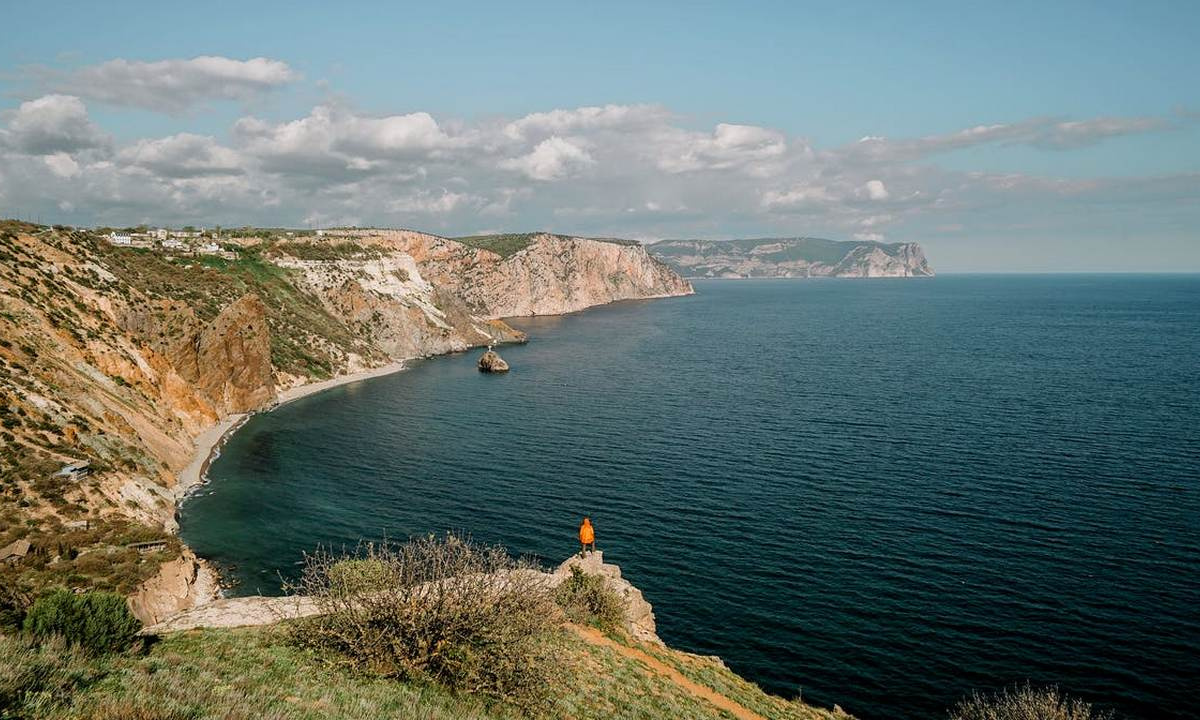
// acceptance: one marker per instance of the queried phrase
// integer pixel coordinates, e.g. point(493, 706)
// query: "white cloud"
point(62, 165)
point(562, 122)
point(876, 190)
point(182, 155)
point(174, 85)
point(52, 124)
point(632, 171)
point(729, 146)
point(552, 159)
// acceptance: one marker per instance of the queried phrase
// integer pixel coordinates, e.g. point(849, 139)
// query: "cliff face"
point(122, 357)
point(542, 274)
point(792, 257)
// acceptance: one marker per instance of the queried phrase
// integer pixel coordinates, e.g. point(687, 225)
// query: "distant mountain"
point(791, 257)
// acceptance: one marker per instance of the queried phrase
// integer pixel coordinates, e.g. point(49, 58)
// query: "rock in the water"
point(491, 362)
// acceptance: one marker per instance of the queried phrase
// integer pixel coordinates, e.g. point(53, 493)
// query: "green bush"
point(1025, 703)
point(587, 599)
point(98, 622)
point(446, 609)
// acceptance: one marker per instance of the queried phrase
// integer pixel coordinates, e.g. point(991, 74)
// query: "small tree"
point(1025, 703)
point(98, 622)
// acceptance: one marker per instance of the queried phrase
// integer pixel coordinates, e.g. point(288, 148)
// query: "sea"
point(883, 494)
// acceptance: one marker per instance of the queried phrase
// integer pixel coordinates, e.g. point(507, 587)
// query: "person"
point(587, 536)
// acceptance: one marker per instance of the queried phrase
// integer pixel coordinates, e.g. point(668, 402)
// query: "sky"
point(1003, 137)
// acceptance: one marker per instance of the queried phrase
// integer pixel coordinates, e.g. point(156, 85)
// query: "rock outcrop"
point(792, 257)
point(639, 615)
point(182, 583)
point(491, 362)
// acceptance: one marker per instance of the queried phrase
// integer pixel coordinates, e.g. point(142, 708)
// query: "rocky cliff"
point(121, 357)
point(792, 257)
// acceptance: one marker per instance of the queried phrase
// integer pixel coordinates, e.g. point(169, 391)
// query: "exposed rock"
point(183, 583)
point(491, 362)
point(639, 615)
point(229, 361)
point(237, 612)
point(792, 257)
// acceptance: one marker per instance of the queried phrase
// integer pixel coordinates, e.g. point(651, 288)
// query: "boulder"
point(491, 362)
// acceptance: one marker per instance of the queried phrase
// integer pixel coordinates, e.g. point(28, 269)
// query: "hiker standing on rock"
point(587, 536)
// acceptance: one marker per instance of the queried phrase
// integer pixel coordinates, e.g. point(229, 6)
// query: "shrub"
point(435, 608)
point(1025, 703)
point(588, 599)
point(98, 622)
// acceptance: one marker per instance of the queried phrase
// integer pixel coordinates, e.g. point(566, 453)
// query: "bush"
point(98, 622)
point(443, 609)
point(587, 599)
point(1025, 703)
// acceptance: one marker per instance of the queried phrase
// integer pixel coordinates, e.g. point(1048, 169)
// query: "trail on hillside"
point(595, 637)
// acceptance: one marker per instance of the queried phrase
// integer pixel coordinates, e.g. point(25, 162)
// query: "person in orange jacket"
point(587, 536)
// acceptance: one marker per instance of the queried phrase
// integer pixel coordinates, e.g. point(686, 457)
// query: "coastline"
point(209, 442)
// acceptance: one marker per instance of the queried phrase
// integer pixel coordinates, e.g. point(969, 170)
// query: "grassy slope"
point(255, 673)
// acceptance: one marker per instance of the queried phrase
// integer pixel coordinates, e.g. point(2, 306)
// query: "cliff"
point(122, 357)
point(792, 257)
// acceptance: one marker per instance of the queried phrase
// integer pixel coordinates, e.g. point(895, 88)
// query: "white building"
point(120, 238)
point(173, 244)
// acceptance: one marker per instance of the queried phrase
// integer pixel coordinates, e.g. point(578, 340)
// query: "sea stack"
point(491, 362)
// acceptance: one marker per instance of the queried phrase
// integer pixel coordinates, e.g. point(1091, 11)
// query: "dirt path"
point(596, 637)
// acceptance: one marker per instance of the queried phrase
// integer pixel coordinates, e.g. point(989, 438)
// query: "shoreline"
point(209, 442)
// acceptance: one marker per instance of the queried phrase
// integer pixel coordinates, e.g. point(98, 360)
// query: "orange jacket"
point(587, 535)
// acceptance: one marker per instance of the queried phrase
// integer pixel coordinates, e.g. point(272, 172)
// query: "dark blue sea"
point(881, 494)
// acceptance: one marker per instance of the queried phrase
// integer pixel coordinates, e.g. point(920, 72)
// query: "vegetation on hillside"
point(508, 244)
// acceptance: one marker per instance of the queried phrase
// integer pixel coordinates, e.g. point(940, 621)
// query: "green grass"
point(256, 673)
point(508, 244)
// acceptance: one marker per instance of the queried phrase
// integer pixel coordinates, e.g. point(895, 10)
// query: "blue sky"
point(1014, 136)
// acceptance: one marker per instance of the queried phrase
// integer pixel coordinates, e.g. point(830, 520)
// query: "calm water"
point(881, 494)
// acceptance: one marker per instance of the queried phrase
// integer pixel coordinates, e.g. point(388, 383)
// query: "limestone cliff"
point(535, 274)
point(120, 358)
point(792, 257)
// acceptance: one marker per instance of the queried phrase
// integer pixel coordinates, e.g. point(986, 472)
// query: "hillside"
point(792, 257)
point(114, 360)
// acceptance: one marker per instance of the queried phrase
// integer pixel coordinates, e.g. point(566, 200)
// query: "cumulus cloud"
point(182, 155)
point(608, 117)
point(171, 86)
point(875, 190)
point(551, 159)
point(52, 124)
point(729, 146)
point(633, 171)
